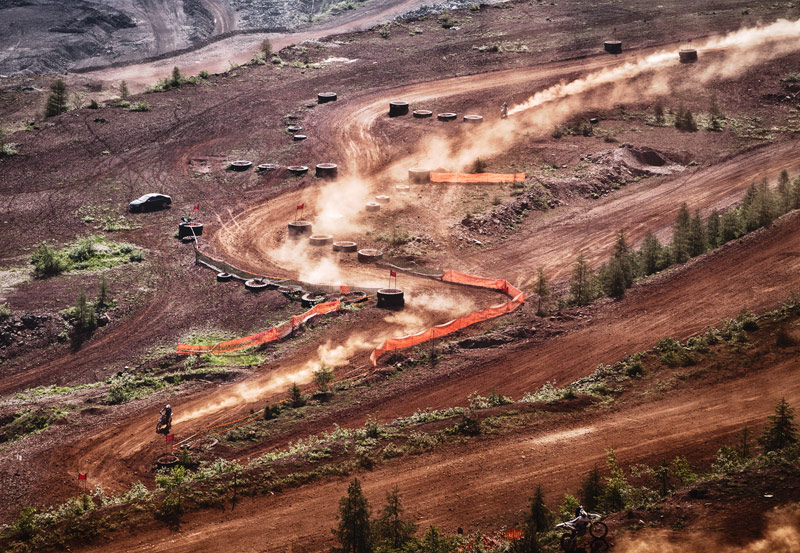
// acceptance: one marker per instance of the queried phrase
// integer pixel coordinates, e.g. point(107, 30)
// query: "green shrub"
point(123, 104)
point(140, 106)
point(136, 256)
point(5, 311)
point(47, 262)
point(203, 74)
point(93, 104)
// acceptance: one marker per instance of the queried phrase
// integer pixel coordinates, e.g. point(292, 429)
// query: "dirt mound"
point(638, 161)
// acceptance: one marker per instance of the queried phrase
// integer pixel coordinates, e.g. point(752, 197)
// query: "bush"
point(295, 396)
point(5, 311)
point(469, 424)
point(47, 262)
point(323, 378)
point(266, 48)
point(203, 74)
point(140, 106)
point(57, 100)
point(123, 104)
point(136, 256)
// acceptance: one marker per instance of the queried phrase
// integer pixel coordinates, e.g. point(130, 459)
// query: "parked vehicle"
point(150, 202)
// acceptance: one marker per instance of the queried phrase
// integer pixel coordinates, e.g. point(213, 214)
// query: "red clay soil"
point(65, 165)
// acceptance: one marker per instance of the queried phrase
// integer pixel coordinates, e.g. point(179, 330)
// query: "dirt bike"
point(164, 424)
point(576, 529)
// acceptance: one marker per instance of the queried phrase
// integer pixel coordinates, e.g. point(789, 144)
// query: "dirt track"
point(708, 290)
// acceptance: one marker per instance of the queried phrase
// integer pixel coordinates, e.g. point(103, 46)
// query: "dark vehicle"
point(150, 202)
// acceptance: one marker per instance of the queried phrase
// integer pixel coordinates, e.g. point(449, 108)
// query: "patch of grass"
point(243, 358)
point(96, 252)
point(29, 421)
point(140, 106)
point(502, 47)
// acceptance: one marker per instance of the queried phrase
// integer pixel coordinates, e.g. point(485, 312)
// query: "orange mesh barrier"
point(457, 178)
point(275, 333)
point(517, 299)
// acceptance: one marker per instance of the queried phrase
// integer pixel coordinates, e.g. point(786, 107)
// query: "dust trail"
point(782, 535)
point(641, 79)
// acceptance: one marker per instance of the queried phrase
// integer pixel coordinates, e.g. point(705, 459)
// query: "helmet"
point(168, 406)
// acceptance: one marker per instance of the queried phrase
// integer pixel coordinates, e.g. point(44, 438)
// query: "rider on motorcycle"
point(165, 420)
point(582, 518)
point(504, 111)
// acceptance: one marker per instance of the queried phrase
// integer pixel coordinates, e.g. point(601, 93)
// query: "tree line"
point(692, 235)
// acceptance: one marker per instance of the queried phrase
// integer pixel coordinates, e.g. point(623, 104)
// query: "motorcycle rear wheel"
point(569, 543)
point(598, 546)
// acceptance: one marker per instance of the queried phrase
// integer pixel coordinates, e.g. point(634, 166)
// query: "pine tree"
point(582, 284)
point(651, 255)
point(592, 490)
point(57, 100)
point(391, 530)
point(784, 192)
point(781, 430)
point(613, 278)
point(296, 397)
point(713, 227)
point(680, 235)
point(102, 296)
point(354, 532)
point(123, 90)
point(538, 520)
point(177, 78)
point(766, 205)
point(658, 112)
point(732, 226)
point(698, 242)
point(543, 291)
point(85, 320)
point(434, 542)
point(796, 194)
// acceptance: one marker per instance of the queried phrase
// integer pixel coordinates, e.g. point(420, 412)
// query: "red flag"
point(344, 289)
point(170, 437)
point(300, 206)
point(82, 476)
point(196, 207)
point(392, 273)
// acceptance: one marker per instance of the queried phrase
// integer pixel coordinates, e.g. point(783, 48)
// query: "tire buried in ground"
point(473, 119)
point(256, 284)
point(190, 229)
point(294, 128)
point(372, 206)
point(299, 228)
point(187, 239)
point(354, 297)
point(297, 170)
point(240, 165)
point(422, 113)
point(266, 167)
point(167, 461)
point(345, 246)
point(291, 292)
point(390, 298)
point(203, 444)
point(325, 97)
point(320, 239)
point(224, 277)
point(299, 137)
point(369, 255)
point(398, 108)
point(327, 171)
point(613, 46)
point(447, 116)
point(311, 299)
point(402, 188)
point(382, 199)
point(419, 175)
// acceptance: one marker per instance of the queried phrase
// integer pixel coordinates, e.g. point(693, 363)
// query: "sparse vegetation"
point(140, 106)
point(57, 100)
point(48, 262)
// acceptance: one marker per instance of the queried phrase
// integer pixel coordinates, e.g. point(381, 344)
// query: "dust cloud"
point(782, 535)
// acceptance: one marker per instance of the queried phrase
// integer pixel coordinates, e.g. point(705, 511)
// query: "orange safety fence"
point(517, 299)
point(459, 178)
point(269, 335)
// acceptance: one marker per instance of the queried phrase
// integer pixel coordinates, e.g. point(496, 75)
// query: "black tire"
point(447, 116)
point(327, 171)
point(390, 298)
point(418, 175)
point(369, 255)
point(613, 46)
point(187, 239)
point(167, 461)
point(598, 529)
point(598, 546)
point(320, 239)
point(569, 543)
point(299, 228)
point(382, 199)
point(240, 165)
point(291, 292)
point(299, 137)
point(294, 128)
point(224, 277)
point(297, 170)
point(256, 284)
point(345, 246)
point(190, 229)
point(687, 55)
point(266, 167)
point(422, 113)
point(325, 97)
point(311, 299)
point(474, 119)
point(372, 206)
point(397, 109)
